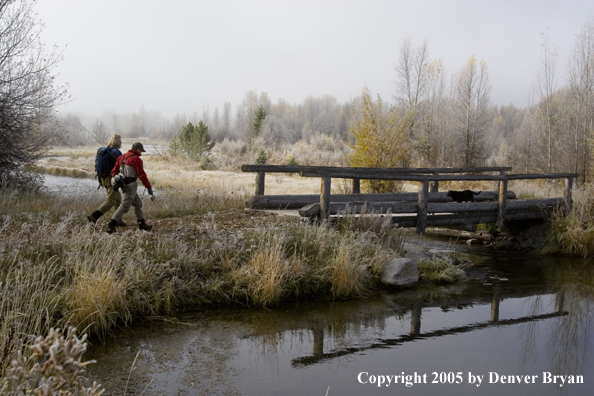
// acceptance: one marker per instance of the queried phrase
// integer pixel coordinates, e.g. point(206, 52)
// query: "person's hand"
point(150, 191)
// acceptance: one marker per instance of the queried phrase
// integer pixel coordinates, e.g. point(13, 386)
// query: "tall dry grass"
point(57, 271)
point(573, 233)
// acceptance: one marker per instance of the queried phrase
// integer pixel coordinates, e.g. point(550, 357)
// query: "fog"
point(182, 56)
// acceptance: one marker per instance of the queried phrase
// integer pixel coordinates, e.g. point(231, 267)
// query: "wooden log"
point(260, 177)
point(310, 210)
point(356, 186)
point(423, 203)
point(541, 176)
point(402, 208)
point(322, 170)
point(373, 207)
point(502, 203)
point(525, 204)
point(434, 184)
point(393, 176)
point(325, 198)
point(467, 218)
point(568, 188)
point(412, 207)
point(299, 201)
point(281, 201)
point(271, 168)
point(297, 168)
point(455, 207)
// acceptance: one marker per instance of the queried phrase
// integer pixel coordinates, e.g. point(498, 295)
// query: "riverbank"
point(206, 251)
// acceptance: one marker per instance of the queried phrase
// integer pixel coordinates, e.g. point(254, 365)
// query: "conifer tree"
point(259, 117)
point(193, 141)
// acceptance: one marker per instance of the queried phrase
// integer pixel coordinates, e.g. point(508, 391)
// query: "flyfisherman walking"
point(104, 163)
point(130, 168)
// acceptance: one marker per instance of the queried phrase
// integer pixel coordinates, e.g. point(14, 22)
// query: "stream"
point(517, 325)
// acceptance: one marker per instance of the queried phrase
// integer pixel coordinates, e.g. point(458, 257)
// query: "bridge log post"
point(502, 202)
point(422, 205)
point(325, 198)
point(501, 173)
point(356, 186)
point(415, 319)
point(435, 183)
point(260, 176)
point(495, 307)
point(560, 301)
point(568, 188)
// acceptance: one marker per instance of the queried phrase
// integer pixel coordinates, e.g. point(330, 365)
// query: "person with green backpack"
point(104, 162)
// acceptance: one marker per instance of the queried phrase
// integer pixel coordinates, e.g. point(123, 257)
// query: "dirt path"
point(228, 221)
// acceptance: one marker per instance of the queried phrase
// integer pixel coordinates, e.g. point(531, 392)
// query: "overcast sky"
point(178, 56)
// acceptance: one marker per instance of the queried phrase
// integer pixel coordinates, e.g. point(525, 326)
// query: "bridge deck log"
point(337, 208)
point(299, 201)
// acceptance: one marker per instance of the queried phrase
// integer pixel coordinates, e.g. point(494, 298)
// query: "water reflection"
point(514, 317)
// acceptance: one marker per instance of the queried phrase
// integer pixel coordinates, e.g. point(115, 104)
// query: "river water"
point(71, 185)
point(518, 325)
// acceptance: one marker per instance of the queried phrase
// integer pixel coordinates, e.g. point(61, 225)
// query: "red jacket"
point(133, 160)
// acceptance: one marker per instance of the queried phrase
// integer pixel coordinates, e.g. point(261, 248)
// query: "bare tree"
point(27, 92)
point(581, 98)
point(545, 89)
point(433, 136)
point(472, 96)
point(411, 74)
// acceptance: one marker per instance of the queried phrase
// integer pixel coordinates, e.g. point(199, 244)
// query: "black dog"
point(462, 196)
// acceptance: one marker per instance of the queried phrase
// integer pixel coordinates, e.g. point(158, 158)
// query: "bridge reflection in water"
point(416, 334)
point(513, 315)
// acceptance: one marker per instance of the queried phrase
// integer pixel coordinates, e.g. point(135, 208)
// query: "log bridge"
point(427, 208)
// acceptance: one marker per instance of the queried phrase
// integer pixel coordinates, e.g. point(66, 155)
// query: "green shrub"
point(439, 270)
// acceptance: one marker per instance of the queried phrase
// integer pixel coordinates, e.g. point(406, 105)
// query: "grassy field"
point(57, 271)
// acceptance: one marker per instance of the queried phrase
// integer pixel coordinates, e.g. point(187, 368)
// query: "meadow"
point(58, 271)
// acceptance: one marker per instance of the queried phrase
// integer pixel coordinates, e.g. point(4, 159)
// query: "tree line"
point(450, 119)
point(435, 118)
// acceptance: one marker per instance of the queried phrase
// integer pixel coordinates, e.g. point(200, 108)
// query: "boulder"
point(400, 272)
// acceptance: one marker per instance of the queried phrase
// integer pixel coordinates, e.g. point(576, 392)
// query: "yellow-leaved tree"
point(382, 140)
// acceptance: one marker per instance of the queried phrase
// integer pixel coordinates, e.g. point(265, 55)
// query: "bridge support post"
point(559, 302)
point(568, 187)
point(260, 176)
point(495, 307)
point(325, 198)
point(356, 186)
point(422, 204)
point(415, 319)
point(502, 202)
point(435, 183)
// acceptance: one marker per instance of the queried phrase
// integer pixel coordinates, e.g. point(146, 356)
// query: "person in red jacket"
point(130, 165)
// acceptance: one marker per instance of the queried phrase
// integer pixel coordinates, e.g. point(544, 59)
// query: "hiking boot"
point(121, 223)
point(111, 226)
point(143, 226)
point(93, 217)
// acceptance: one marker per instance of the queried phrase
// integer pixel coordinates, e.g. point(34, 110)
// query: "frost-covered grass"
point(573, 233)
point(439, 270)
point(57, 271)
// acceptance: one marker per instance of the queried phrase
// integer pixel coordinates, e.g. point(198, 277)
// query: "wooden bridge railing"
point(425, 176)
point(326, 170)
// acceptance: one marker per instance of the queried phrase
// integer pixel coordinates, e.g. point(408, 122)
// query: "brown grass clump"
point(573, 233)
